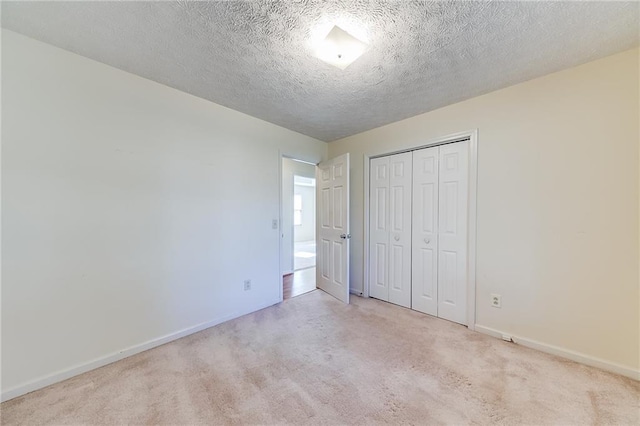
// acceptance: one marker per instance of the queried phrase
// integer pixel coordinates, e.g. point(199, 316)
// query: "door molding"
point(472, 136)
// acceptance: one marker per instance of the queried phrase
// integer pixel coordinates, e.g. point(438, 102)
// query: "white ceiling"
point(255, 56)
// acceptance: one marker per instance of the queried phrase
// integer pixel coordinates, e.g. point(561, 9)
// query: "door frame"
point(281, 156)
point(472, 136)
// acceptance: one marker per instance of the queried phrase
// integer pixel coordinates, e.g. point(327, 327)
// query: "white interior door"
point(452, 235)
point(400, 178)
point(332, 272)
point(379, 228)
point(424, 270)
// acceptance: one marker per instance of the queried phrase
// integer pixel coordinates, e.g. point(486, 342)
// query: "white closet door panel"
point(379, 228)
point(452, 231)
point(400, 178)
point(424, 270)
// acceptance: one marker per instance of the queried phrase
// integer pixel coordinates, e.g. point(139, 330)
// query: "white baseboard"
point(565, 353)
point(117, 356)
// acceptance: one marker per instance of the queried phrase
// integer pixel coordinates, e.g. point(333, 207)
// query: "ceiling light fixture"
point(339, 48)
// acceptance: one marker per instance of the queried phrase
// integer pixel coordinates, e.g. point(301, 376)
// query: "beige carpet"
point(313, 360)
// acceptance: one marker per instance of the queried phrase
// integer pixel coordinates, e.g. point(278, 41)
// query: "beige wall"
point(557, 204)
point(131, 212)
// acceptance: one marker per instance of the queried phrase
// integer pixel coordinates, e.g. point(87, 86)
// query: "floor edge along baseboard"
point(117, 356)
point(591, 361)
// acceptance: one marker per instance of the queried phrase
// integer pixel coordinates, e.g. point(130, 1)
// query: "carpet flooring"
point(313, 360)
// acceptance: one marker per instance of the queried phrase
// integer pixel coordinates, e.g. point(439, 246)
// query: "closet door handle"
point(396, 237)
point(427, 240)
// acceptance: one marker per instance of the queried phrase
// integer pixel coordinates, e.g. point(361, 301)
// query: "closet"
point(418, 230)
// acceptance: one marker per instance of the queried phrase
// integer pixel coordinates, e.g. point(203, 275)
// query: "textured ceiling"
point(256, 56)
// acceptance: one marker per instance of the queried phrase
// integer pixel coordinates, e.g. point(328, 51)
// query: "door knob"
point(396, 237)
point(427, 240)
point(345, 236)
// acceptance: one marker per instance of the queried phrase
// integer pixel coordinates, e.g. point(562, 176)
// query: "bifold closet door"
point(379, 228)
point(453, 215)
point(439, 235)
point(390, 228)
point(424, 269)
point(400, 178)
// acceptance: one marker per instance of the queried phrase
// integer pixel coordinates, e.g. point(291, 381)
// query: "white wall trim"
point(365, 272)
point(564, 353)
point(472, 229)
point(281, 157)
point(124, 353)
point(281, 272)
point(472, 135)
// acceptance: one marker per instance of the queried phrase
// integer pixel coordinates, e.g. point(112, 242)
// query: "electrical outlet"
point(247, 285)
point(496, 301)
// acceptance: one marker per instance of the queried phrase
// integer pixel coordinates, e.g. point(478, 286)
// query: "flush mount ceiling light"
point(339, 48)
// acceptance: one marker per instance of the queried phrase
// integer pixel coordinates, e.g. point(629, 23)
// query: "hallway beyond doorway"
point(304, 255)
point(300, 282)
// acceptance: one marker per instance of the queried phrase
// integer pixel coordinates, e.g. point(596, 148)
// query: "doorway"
point(298, 227)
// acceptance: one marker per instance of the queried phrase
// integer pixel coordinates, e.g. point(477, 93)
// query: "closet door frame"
point(472, 136)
